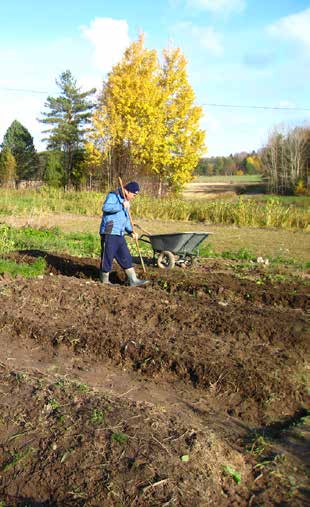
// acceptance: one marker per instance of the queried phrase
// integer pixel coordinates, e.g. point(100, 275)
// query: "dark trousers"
point(114, 247)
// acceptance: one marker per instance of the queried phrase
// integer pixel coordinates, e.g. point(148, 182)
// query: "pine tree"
point(20, 142)
point(7, 167)
point(68, 118)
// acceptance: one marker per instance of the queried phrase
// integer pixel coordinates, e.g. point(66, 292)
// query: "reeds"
point(240, 212)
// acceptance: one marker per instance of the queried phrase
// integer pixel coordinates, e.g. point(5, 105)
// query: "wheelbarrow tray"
point(179, 243)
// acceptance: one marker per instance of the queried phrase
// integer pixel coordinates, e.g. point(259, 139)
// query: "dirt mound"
point(78, 445)
point(197, 327)
point(223, 355)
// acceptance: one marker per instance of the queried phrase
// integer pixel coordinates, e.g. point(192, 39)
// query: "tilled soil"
point(119, 396)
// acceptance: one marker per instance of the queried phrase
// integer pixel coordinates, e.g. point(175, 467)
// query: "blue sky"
point(240, 53)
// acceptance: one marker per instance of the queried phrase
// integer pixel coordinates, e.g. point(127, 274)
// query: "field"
point(191, 392)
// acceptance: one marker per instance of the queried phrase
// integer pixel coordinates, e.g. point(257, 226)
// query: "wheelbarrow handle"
point(145, 238)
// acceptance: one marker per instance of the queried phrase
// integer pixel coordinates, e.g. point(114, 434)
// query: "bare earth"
point(189, 392)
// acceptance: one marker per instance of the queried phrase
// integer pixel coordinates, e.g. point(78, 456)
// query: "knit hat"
point(132, 187)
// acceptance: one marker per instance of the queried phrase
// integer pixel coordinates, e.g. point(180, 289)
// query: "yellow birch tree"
point(128, 121)
point(7, 168)
point(92, 162)
point(146, 121)
point(183, 141)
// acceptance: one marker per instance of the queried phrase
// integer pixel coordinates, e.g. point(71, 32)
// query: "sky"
point(248, 61)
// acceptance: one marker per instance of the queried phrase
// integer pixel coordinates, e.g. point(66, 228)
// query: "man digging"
point(116, 221)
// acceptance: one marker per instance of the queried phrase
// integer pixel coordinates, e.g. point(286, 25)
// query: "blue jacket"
point(115, 218)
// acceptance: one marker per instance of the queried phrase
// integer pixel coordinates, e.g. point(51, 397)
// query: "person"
point(114, 224)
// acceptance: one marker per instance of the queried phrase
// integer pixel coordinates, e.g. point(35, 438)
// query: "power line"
point(237, 106)
point(259, 107)
point(22, 90)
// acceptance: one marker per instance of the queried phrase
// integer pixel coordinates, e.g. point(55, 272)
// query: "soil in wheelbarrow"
point(191, 391)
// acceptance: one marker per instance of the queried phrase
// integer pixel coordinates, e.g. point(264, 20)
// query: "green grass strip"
point(25, 270)
point(88, 245)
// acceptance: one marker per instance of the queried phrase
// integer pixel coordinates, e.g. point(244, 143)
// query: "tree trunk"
point(160, 187)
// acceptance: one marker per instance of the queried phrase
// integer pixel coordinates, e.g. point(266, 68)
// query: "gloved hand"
point(135, 235)
point(126, 204)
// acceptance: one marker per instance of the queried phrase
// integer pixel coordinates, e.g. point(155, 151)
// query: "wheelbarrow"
point(178, 248)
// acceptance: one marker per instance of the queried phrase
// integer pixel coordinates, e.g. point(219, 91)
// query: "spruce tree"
point(20, 142)
point(53, 174)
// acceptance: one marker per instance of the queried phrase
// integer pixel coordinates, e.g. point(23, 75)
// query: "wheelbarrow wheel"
point(166, 260)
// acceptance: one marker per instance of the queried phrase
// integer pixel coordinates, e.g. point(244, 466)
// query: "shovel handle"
point(132, 225)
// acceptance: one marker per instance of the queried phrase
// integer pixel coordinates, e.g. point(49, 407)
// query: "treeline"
point(143, 123)
point(237, 164)
point(286, 161)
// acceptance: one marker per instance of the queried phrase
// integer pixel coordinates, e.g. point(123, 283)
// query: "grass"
point(245, 178)
point(242, 212)
point(83, 244)
point(38, 202)
point(16, 459)
point(273, 212)
point(25, 270)
point(28, 238)
point(302, 201)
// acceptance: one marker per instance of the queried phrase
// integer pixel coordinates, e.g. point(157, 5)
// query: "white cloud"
point(218, 5)
point(295, 27)
point(208, 38)
point(110, 38)
point(286, 103)
point(204, 37)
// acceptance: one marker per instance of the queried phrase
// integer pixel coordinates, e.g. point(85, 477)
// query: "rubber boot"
point(133, 279)
point(104, 278)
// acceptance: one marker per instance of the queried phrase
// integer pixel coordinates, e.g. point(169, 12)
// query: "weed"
point(206, 250)
point(185, 458)
point(6, 242)
point(83, 388)
point(16, 458)
point(53, 404)
point(242, 254)
point(97, 417)
point(60, 383)
point(20, 377)
point(164, 284)
point(120, 437)
point(259, 446)
point(233, 473)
